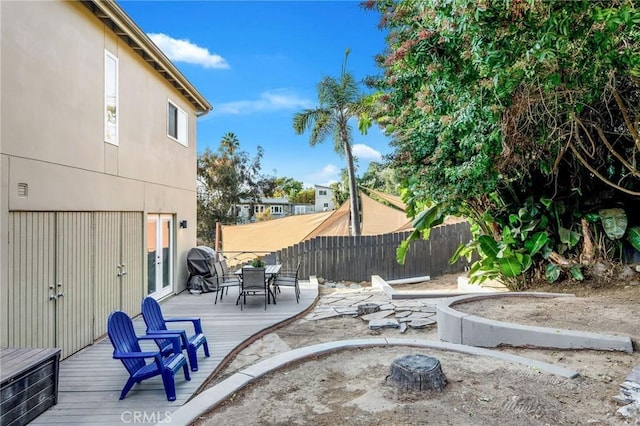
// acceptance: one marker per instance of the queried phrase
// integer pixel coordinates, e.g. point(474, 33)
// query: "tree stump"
point(417, 372)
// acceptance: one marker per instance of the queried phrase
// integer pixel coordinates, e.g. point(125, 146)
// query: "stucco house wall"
point(53, 154)
point(324, 198)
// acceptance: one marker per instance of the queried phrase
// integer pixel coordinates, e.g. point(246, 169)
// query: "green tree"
point(340, 100)
point(518, 114)
point(305, 196)
point(381, 177)
point(224, 178)
point(340, 189)
point(287, 187)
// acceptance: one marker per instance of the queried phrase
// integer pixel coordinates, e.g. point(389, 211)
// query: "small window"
point(276, 209)
point(177, 123)
point(322, 192)
point(326, 205)
point(110, 98)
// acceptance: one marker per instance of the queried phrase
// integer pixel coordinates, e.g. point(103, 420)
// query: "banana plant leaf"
point(634, 237)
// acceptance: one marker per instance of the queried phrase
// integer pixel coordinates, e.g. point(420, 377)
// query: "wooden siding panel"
point(75, 276)
point(30, 315)
point(106, 259)
point(132, 258)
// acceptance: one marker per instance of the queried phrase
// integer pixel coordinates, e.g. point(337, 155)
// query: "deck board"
point(91, 381)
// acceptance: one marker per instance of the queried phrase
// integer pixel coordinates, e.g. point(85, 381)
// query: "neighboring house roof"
point(123, 26)
point(267, 201)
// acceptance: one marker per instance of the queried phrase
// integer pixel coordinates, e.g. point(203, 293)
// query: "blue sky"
point(258, 63)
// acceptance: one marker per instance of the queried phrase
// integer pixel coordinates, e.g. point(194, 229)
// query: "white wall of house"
point(324, 198)
point(53, 154)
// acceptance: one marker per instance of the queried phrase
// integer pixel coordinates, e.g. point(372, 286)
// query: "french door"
point(160, 248)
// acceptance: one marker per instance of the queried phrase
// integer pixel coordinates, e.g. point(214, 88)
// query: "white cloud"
point(185, 51)
point(267, 101)
point(365, 152)
point(325, 176)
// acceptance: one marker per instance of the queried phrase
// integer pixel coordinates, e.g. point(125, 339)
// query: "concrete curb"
point(379, 283)
point(313, 282)
point(213, 396)
point(461, 328)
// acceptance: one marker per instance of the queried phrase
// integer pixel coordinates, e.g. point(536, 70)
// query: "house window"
point(322, 192)
point(110, 98)
point(177, 123)
point(276, 209)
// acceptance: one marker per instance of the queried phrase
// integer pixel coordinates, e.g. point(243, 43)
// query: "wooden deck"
point(91, 380)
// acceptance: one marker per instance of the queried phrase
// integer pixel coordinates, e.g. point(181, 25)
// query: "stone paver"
point(421, 323)
point(400, 313)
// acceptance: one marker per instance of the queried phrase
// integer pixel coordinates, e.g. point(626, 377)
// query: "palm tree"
point(230, 143)
point(340, 100)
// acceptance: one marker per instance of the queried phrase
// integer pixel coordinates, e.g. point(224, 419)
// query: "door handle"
point(56, 296)
point(121, 271)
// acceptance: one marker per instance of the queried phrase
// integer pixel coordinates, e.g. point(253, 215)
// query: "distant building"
point(247, 210)
point(324, 198)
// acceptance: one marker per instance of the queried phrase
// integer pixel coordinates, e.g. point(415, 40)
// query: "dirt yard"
point(350, 387)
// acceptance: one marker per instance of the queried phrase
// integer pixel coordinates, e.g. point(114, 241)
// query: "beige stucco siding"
point(143, 127)
point(53, 98)
point(52, 124)
point(51, 61)
point(74, 208)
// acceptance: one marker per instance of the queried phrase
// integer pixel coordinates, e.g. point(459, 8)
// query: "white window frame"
point(111, 86)
point(322, 192)
point(276, 209)
point(182, 124)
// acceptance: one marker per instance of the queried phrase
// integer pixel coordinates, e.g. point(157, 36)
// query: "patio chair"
point(225, 280)
point(157, 324)
point(288, 278)
point(254, 283)
point(126, 348)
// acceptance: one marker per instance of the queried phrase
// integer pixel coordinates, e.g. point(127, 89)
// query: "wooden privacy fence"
point(358, 258)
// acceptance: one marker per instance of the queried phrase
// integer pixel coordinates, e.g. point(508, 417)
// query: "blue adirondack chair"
point(126, 348)
point(157, 324)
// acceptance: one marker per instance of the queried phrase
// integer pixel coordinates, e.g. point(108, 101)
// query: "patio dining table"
point(270, 271)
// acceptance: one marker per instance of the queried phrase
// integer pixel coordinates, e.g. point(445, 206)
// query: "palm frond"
point(317, 120)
